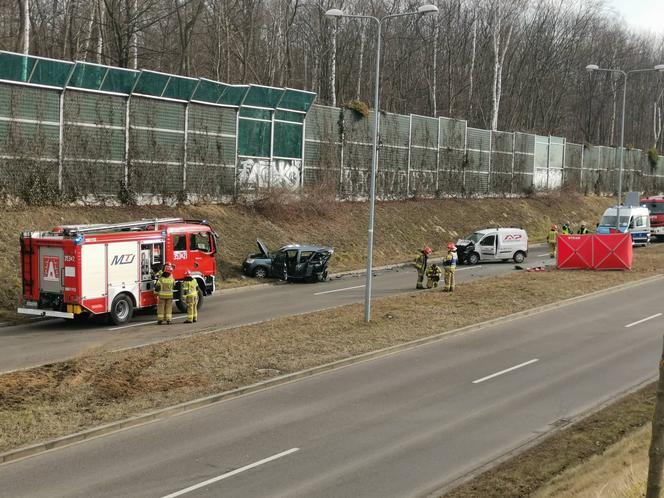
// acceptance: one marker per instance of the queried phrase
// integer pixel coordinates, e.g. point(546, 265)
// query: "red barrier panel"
point(613, 252)
point(575, 252)
point(595, 252)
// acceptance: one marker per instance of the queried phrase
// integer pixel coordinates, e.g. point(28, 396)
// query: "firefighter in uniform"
point(449, 264)
point(433, 276)
point(551, 239)
point(189, 292)
point(163, 289)
point(421, 266)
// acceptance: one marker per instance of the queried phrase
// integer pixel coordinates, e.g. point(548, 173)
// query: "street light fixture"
point(594, 67)
point(337, 13)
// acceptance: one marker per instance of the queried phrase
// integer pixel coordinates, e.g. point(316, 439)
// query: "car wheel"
point(473, 259)
point(519, 257)
point(260, 272)
point(122, 309)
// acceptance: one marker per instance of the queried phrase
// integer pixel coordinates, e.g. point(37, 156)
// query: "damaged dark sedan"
point(291, 262)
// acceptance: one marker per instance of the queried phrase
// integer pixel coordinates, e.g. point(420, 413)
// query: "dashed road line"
point(520, 365)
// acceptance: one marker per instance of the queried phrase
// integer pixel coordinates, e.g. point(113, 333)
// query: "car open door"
point(488, 247)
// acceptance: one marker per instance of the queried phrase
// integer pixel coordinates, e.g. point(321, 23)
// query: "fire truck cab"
point(80, 270)
point(655, 205)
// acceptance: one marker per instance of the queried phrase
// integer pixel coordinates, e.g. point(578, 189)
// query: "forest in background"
point(500, 64)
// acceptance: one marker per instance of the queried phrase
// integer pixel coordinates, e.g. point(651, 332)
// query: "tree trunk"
point(100, 33)
point(656, 452)
point(24, 5)
point(88, 32)
point(472, 70)
point(360, 69)
point(134, 37)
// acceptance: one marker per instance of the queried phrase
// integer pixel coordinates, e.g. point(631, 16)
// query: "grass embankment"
point(66, 397)
point(591, 458)
point(401, 226)
point(620, 472)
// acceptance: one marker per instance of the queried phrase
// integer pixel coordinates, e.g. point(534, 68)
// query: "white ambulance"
point(493, 244)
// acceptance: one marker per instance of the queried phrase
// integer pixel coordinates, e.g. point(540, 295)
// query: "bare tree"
point(24, 9)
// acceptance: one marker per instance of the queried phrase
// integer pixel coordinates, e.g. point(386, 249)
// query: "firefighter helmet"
point(554, 227)
point(451, 246)
point(427, 250)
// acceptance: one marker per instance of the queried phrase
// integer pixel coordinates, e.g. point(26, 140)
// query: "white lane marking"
point(642, 320)
point(543, 255)
point(520, 365)
point(232, 473)
point(338, 290)
point(143, 323)
point(469, 268)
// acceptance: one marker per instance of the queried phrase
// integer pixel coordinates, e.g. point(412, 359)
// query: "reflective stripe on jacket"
point(434, 271)
point(551, 238)
point(421, 261)
point(451, 260)
point(189, 288)
point(164, 287)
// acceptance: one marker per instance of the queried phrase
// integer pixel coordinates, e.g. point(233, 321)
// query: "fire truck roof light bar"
point(70, 229)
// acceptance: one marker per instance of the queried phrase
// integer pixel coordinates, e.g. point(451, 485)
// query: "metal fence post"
point(184, 150)
point(61, 136)
point(304, 140)
point(564, 169)
point(237, 139)
point(548, 161)
point(437, 157)
point(410, 146)
point(488, 176)
point(512, 167)
point(342, 134)
point(581, 168)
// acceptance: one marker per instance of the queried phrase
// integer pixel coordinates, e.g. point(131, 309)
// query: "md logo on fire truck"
point(51, 268)
point(123, 259)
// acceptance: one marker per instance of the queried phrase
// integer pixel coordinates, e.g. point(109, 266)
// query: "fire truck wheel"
point(122, 309)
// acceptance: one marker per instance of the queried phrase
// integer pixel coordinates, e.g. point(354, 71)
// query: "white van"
point(635, 220)
point(494, 244)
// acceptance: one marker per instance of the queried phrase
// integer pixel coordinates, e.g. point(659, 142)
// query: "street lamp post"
point(594, 67)
point(423, 10)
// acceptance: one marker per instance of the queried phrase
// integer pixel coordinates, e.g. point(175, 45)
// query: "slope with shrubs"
point(401, 226)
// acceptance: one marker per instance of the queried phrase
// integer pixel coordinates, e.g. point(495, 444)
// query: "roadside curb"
point(163, 413)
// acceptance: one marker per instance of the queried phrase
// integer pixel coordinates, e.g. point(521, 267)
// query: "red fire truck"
point(80, 270)
point(655, 205)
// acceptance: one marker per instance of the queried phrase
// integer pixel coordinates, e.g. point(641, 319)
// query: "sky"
point(646, 15)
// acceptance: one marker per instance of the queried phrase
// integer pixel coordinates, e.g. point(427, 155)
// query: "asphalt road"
point(47, 341)
point(401, 425)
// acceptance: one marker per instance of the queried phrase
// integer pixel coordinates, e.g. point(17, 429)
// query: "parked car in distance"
point(290, 262)
point(493, 244)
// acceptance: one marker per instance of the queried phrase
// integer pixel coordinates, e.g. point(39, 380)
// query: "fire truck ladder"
point(73, 229)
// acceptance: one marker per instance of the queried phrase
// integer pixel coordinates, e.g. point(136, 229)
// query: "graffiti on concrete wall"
point(253, 173)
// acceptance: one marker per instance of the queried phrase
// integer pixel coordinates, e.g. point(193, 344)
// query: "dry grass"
point(401, 226)
point(65, 397)
point(620, 472)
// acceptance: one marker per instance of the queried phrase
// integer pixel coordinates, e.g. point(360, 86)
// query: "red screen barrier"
point(595, 252)
point(613, 252)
